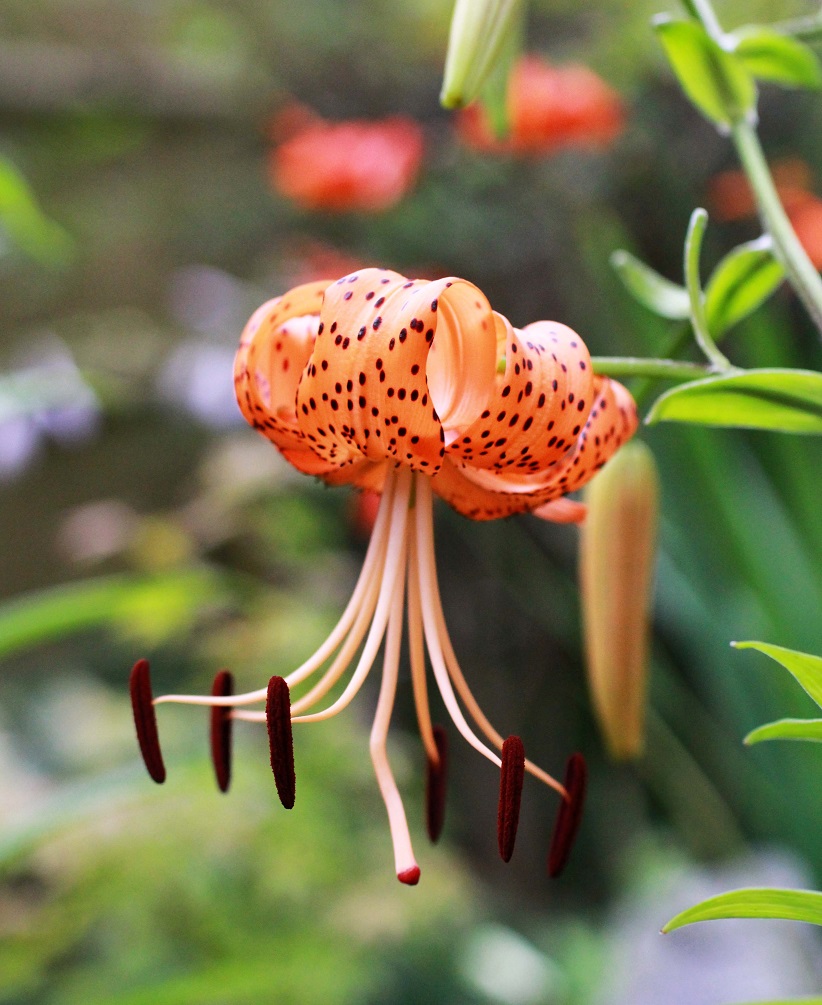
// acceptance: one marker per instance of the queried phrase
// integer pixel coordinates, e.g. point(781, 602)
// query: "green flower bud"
point(480, 30)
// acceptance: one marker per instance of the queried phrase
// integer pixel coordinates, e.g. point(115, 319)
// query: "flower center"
point(399, 561)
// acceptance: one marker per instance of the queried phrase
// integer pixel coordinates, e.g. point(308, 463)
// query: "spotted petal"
point(541, 403)
point(398, 369)
point(274, 349)
point(486, 495)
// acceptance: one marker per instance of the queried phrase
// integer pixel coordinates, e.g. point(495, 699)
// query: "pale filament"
point(392, 581)
point(397, 822)
point(460, 683)
point(365, 588)
point(401, 551)
point(391, 574)
point(425, 557)
point(416, 649)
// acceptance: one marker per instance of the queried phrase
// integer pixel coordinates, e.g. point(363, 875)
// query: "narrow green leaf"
point(26, 224)
point(772, 56)
point(744, 279)
point(658, 294)
point(787, 729)
point(790, 905)
point(806, 669)
point(697, 226)
point(152, 605)
point(780, 400)
point(716, 81)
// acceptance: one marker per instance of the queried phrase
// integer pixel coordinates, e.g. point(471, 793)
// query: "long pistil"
point(407, 869)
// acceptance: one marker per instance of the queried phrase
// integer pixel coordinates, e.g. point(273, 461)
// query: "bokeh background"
point(141, 517)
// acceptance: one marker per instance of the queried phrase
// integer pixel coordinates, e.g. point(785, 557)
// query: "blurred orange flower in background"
point(731, 199)
point(806, 220)
point(549, 107)
point(356, 165)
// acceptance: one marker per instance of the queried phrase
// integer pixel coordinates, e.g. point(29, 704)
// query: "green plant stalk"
point(662, 369)
point(699, 319)
point(705, 12)
point(801, 272)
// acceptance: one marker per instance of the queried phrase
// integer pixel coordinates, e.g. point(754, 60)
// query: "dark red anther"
point(512, 775)
point(410, 876)
point(142, 704)
point(221, 730)
point(569, 814)
point(280, 741)
point(436, 784)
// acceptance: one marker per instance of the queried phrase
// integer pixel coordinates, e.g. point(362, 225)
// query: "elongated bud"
point(221, 730)
point(479, 32)
point(618, 549)
point(280, 741)
point(145, 720)
point(512, 774)
point(569, 815)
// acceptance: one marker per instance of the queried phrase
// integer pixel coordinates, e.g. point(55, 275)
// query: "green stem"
point(699, 319)
point(662, 369)
point(705, 12)
point(801, 273)
point(800, 270)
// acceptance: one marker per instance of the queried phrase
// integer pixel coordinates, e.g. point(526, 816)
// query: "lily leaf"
point(787, 729)
point(658, 294)
point(716, 81)
point(806, 669)
point(765, 902)
point(770, 55)
point(744, 279)
point(26, 224)
point(152, 606)
point(781, 400)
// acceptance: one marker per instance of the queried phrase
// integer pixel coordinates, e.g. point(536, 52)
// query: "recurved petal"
point(397, 365)
point(540, 406)
point(274, 349)
point(562, 511)
point(612, 422)
point(487, 495)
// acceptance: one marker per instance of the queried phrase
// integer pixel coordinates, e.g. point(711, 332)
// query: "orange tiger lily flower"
point(731, 197)
point(412, 389)
point(352, 166)
point(549, 108)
